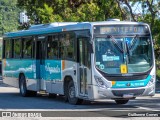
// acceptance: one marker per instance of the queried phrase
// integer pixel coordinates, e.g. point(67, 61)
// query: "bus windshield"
point(133, 51)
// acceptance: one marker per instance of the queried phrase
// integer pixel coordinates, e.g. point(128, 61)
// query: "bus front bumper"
point(122, 93)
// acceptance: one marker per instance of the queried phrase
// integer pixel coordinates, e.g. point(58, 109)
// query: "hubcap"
point(72, 92)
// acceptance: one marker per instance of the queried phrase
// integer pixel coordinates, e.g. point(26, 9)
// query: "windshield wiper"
point(116, 43)
point(128, 51)
point(133, 41)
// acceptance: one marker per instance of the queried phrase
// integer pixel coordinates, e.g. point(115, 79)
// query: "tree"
point(152, 7)
point(70, 10)
point(9, 16)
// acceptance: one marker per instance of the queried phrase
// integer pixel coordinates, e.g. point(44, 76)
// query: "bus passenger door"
point(84, 74)
point(40, 56)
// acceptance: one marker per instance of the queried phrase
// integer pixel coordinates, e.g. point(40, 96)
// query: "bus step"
point(42, 92)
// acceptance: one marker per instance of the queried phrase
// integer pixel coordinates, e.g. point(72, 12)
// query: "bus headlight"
point(100, 82)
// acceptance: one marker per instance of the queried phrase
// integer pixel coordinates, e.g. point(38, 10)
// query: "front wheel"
point(121, 101)
point(71, 94)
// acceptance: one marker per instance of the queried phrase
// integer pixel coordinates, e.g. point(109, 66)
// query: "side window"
point(8, 48)
point(17, 48)
point(27, 48)
point(84, 54)
point(66, 46)
point(33, 49)
point(70, 47)
point(55, 46)
point(49, 48)
point(87, 53)
point(52, 47)
point(61, 46)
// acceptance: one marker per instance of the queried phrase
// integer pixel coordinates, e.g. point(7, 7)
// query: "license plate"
point(128, 96)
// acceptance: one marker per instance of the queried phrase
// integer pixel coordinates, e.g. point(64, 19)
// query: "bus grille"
point(120, 93)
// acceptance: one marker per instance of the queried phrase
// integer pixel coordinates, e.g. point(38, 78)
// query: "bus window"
point(27, 48)
point(49, 47)
point(52, 48)
point(61, 47)
point(66, 46)
point(69, 44)
point(55, 46)
point(33, 49)
point(17, 48)
point(8, 49)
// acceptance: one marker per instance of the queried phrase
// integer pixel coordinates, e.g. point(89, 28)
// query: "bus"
point(81, 60)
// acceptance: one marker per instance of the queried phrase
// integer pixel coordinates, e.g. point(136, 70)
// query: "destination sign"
point(121, 29)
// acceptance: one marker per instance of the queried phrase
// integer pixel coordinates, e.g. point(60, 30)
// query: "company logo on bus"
point(128, 84)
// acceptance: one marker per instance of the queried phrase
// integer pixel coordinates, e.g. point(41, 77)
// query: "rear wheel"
point(121, 101)
point(23, 88)
point(71, 94)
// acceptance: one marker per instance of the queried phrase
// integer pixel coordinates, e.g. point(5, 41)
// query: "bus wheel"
point(71, 94)
point(23, 89)
point(121, 101)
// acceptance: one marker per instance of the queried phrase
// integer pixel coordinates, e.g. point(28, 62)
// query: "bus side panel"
point(32, 77)
point(53, 77)
point(7, 74)
point(11, 81)
point(13, 67)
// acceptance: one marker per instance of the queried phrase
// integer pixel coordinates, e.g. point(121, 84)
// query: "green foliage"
point(156, 35)
point(70, 10)
point(46, 14)
point(9, 16)
point(158, 74)
point(87, 12)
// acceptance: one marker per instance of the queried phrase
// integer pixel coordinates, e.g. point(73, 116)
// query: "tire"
point(52, 95)
point(71, 94)
point(121, 101)
point(23, 88)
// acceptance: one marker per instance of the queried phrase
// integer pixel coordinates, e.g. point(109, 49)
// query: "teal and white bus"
point(82, 61)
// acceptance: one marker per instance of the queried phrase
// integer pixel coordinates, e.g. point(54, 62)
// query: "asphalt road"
point(10, 100)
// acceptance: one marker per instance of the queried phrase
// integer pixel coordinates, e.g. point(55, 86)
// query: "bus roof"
point(63, 26)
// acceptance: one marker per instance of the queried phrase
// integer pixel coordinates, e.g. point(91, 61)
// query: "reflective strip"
point(63, 64)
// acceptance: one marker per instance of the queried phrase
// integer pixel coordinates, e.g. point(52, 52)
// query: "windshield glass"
point(112, 52)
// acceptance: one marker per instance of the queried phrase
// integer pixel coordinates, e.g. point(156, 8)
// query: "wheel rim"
point(72, 92)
